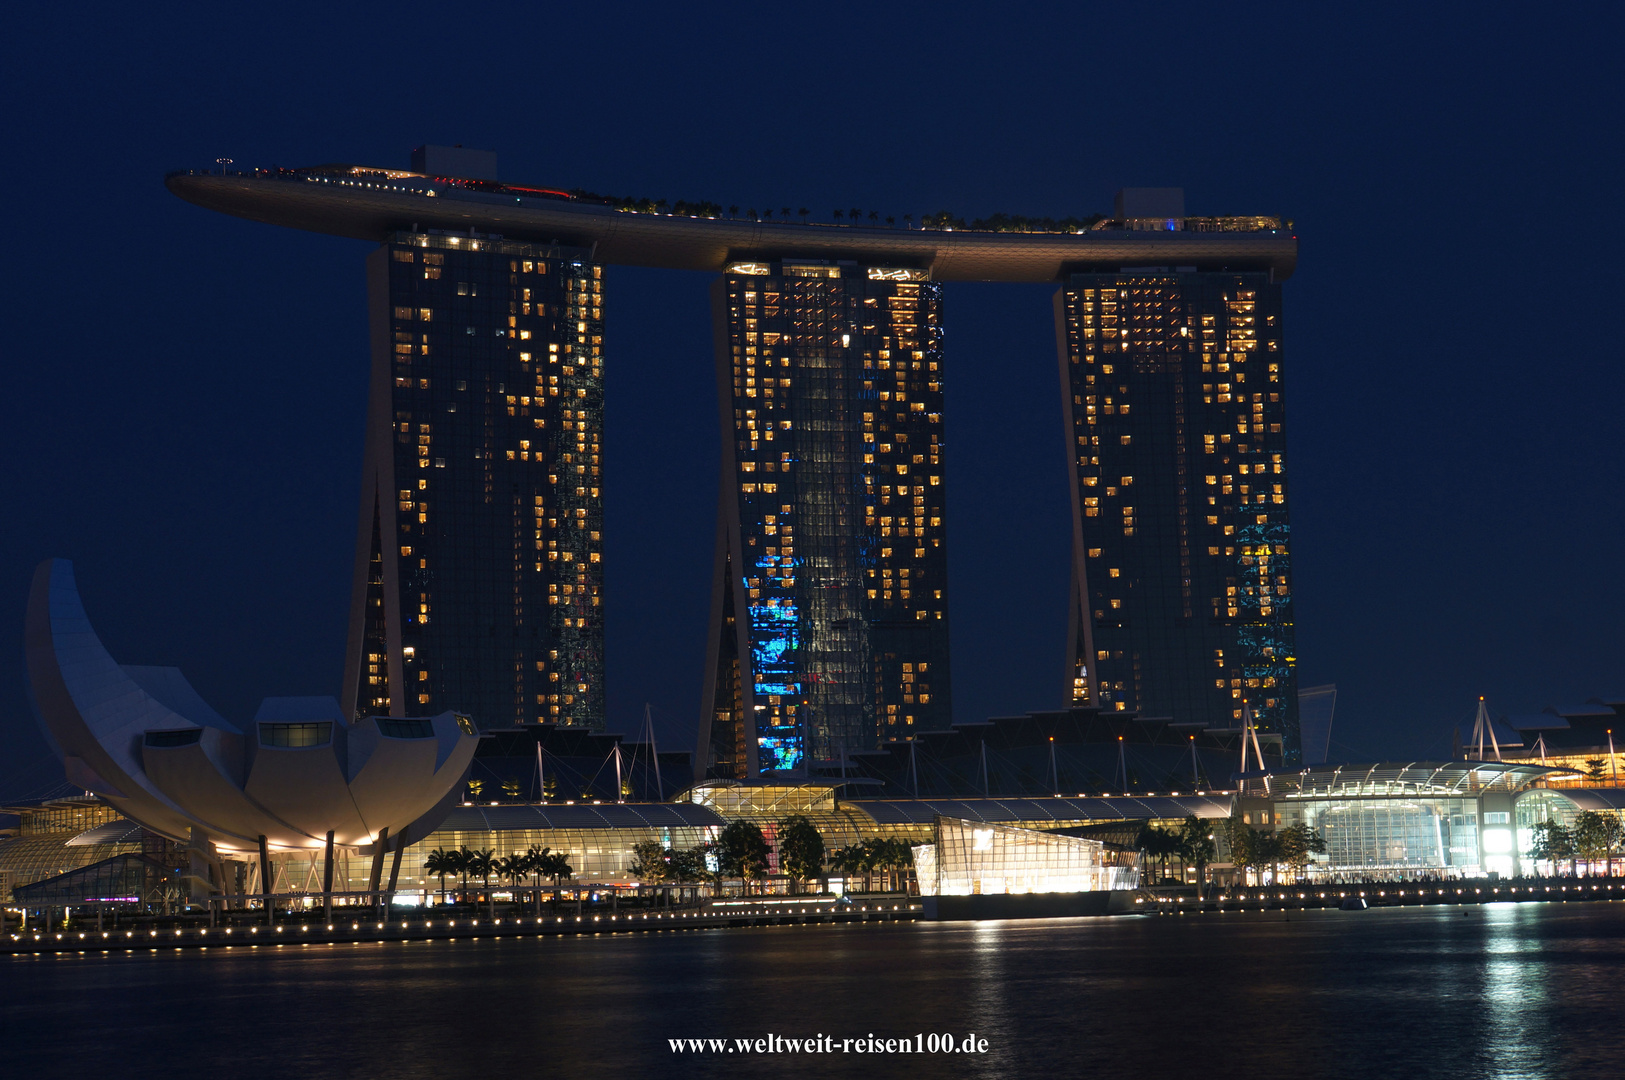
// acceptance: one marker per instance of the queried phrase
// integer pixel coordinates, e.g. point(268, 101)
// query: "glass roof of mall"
point(1125, 808)
point(1404, 778)
point(506, 816)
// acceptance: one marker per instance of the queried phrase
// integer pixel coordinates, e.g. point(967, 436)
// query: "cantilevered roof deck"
point(370, 204)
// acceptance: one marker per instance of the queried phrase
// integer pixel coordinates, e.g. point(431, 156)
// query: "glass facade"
point(1384, 835)
point(830, 612)
point(973, 858)
point(42, 849)
point(1182, 560)
point(478, 584)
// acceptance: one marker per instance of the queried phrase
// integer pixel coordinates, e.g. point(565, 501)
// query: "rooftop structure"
point(369, 203)
point(1082, 749)
point(1405, 778)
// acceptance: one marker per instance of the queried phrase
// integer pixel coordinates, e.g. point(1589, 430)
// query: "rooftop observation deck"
point(370, 203)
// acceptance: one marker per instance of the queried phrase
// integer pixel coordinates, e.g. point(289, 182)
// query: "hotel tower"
point(829, 628)
point(1174, 384)
point(478, 574)
point(478, 568)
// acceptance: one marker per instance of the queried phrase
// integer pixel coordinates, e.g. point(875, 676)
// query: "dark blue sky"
point(184, 392)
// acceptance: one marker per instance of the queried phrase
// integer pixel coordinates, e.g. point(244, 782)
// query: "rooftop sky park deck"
point(368, 203)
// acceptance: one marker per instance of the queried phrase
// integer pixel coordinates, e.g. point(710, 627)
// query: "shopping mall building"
point(1458, 819)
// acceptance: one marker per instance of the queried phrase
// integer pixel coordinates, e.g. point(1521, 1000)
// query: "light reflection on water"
point(1504, 991)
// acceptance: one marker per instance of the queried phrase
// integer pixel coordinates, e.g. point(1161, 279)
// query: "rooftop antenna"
point(1258, 751)
point(1242, 784)
point(985, 792)
point(654, 751)
point(1483, 726)
point(1122, 768)
point(1054, 776)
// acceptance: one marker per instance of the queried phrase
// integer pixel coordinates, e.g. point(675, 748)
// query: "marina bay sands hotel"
point(478, 564)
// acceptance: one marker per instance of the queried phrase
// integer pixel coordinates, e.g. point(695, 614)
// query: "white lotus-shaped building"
point(144, 741)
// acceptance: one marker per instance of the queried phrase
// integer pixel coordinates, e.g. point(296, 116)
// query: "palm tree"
point(803, 212)
point(481, 863)
point(874, 215)
point(891, 221)
point(785, 213)
point(1196, 847)
point(1158, 844)
point(439, 863)
point(889, 854)
point(558, 868)
point(464, 857)
point(854, 859)
point(837, 215)
point(733, 211)
point(536, 863)
point(513, 867)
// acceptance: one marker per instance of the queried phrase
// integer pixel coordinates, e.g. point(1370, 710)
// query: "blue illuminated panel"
point(833, 381)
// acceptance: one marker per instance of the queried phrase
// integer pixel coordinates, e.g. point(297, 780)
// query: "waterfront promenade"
point(353, 925)
point(1387, 894)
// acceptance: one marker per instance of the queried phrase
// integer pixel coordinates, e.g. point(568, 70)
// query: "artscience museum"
point(299, 776)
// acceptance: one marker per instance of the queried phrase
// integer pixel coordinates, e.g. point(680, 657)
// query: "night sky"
point(184, 391)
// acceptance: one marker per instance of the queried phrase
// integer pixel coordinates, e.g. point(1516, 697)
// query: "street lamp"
point(222, 162)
